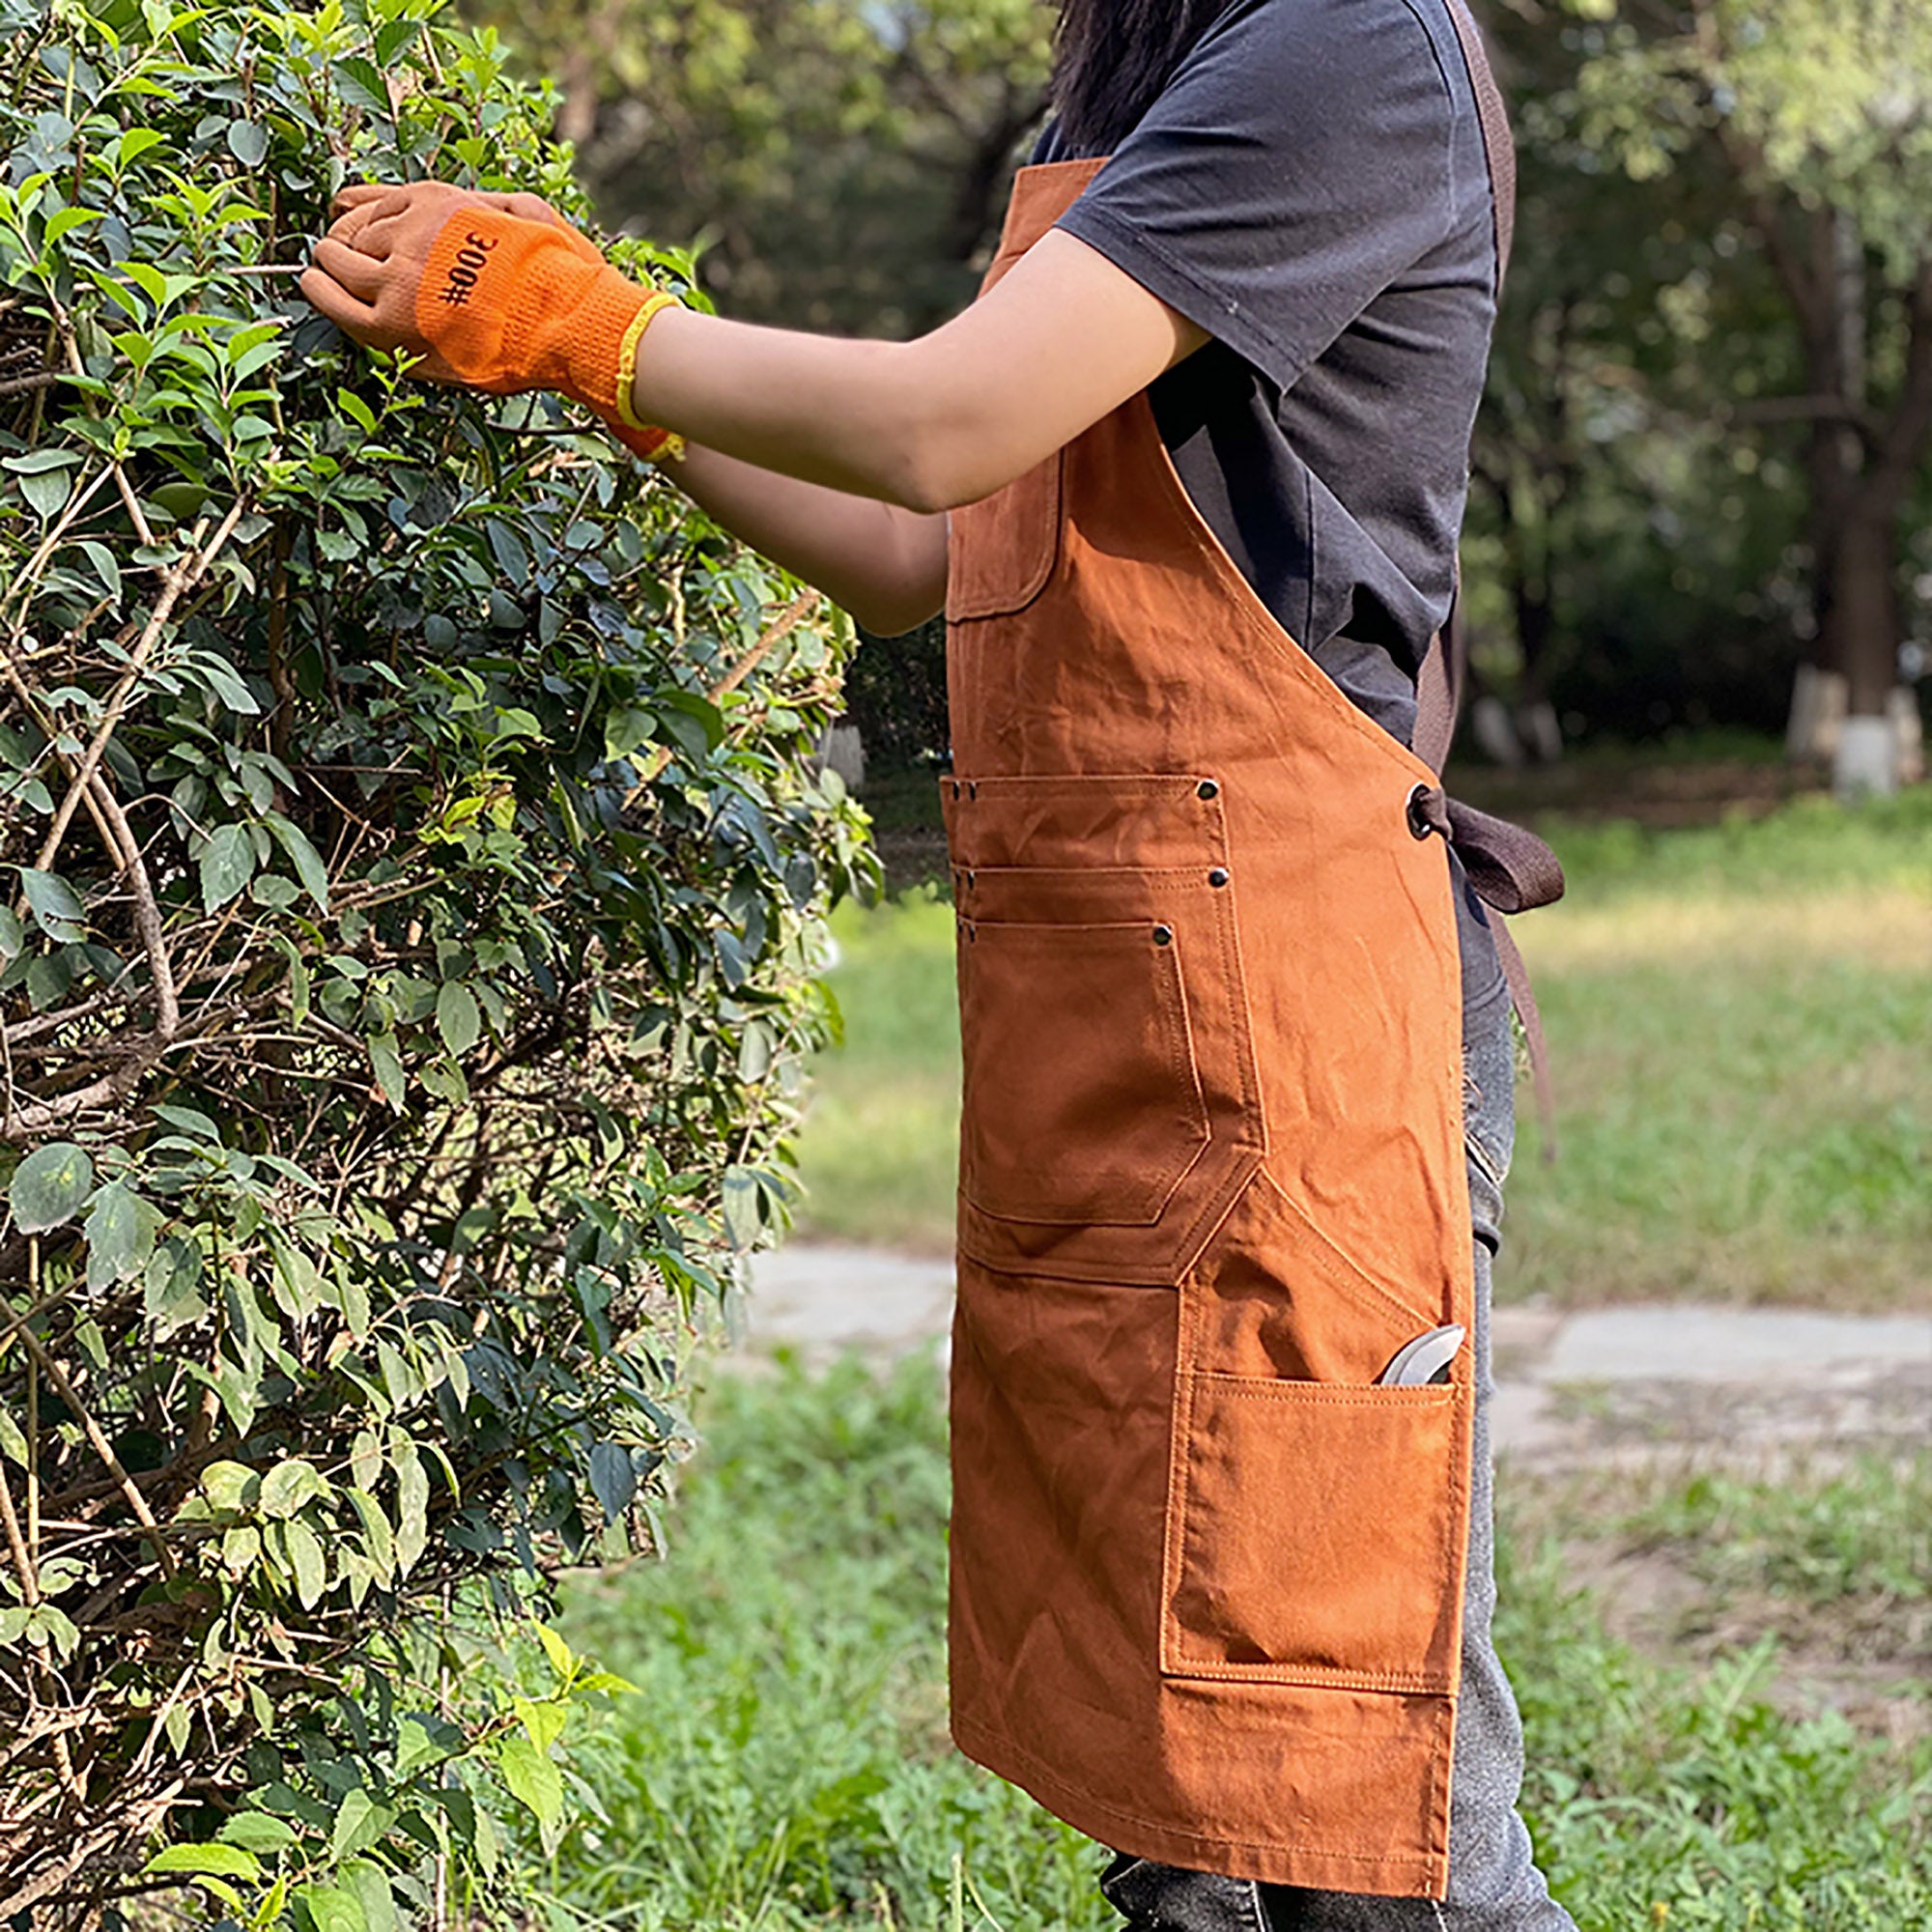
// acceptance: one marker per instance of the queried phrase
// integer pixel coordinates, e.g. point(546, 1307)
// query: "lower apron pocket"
point(1314, 1534)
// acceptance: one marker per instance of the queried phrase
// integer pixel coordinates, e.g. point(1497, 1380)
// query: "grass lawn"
point(1740, 1018)
point(783, 1763)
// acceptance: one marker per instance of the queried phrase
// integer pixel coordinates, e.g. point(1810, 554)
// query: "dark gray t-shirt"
point(1311, 187)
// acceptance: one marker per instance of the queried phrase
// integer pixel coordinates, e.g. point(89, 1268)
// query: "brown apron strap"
point(1439, 684)
point(1509, 865)
point(1497, 140)
point(1510, 868)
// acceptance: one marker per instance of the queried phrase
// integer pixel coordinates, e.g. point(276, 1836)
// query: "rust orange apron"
point(1206, 1574)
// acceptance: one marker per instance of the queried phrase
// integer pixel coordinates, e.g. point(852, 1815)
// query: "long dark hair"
point(1112, 57)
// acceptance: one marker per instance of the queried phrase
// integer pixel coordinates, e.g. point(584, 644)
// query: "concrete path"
point(1597, 1385)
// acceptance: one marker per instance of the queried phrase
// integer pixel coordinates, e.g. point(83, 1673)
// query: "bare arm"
point(882, 564)
point(839, 457)
point(836, 456)
point(1060, 339)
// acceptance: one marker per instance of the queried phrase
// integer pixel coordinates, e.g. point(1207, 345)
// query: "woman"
point(1186, 481)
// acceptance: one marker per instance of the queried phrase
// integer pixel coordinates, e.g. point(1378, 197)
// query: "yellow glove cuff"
point(626, 371)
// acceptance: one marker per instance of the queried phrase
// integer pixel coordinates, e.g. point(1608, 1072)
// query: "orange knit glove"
point(512, 304)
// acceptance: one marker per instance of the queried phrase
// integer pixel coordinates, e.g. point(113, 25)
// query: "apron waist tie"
point(1512, 871)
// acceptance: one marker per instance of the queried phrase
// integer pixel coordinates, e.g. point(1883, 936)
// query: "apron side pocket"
point(1312, 1534)
point(1001, 550)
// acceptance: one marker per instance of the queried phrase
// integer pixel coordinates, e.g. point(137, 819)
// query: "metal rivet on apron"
point(1163, 935)
point(1207, 788)
point(1218, 877)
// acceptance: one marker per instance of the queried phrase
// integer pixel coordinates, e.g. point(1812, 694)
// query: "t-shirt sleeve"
point(1298, 160)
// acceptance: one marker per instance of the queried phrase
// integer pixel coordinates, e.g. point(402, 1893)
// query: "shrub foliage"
point(413, 866)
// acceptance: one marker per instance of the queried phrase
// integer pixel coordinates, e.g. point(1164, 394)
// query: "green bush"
point(414, 875)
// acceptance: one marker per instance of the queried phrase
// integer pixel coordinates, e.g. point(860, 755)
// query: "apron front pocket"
point(1312, 1533)
point(1110, 1109)
point(1082, 1104)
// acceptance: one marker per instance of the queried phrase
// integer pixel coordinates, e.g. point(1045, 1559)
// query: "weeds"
point(784, 1765)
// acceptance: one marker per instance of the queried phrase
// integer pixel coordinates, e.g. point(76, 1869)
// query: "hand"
point(366, 270)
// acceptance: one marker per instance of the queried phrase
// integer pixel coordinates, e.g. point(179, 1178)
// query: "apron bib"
point(1206, 1574)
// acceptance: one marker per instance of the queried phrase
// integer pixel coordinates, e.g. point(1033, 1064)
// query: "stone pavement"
point(1597, 1385)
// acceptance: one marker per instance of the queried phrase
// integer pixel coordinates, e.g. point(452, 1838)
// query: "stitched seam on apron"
point(1418, 1861)
point(1263, 627)
point(1173, 1658)
point(1360, 1287)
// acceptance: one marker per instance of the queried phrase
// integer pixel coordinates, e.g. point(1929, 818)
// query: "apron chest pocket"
point(1312, 1534)
point(1082, 1104)
point(1001, 550)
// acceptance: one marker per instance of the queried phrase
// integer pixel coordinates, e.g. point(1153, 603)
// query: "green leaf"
point(226, 685)
point(223, 1861)
point(47, 492)
point(12, 934)
point(105, 567)
point(48, 1186)
point(65, 220)
point(415, 1748)
point(412, 1508)
point(248, 142)
point(257, 1832)
point(290, 1485)
point(37, 462)
point(55, 906)
point(613, 1478)
point(364, 418)
point(332, 1909)
point(389, 1066)
point(306, 1560)
point(626, 729)
point(359, 82)
point(227, 864)
point(359, 1822)
point(306, 859)
point(115, 1227)
point(744, 1208)
point(12, 1439)
point(682, 710)
point(370, 1884)
point(532, 1778)
point(563, 1659)
point(231, 1488)
point(377, 1531)
point(458, 1017)
point(149, 279)
point(136, 143)
point(544, 1721)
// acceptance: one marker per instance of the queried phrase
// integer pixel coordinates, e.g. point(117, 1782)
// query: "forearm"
point(843, 413)
point(885, 565)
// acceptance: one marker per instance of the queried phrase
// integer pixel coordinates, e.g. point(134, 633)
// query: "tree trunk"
point(1858, 627)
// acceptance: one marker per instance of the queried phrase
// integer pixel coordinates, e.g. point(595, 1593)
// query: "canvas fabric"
point(1206, 1574)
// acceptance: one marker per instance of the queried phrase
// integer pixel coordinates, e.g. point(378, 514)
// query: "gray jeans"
point(1493, 1882)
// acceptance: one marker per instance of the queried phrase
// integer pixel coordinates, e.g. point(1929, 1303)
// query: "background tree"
point(1820, 114)
point(1635, 526)
point(413, 872)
